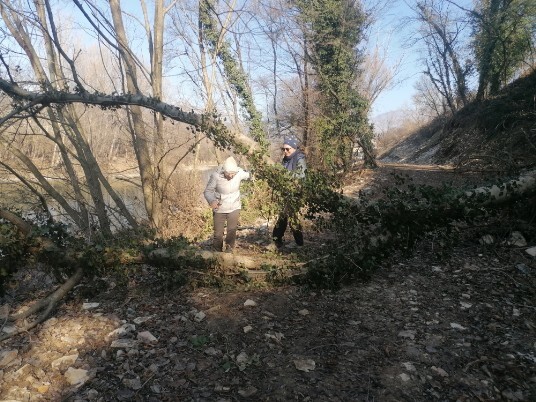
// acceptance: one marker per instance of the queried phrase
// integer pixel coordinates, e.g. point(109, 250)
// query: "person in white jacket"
point(223, 195)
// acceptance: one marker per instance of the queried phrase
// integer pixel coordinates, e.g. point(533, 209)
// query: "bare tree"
point(445, 40)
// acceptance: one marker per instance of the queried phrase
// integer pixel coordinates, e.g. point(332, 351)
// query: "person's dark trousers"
point(280, 228)
point(219, 225)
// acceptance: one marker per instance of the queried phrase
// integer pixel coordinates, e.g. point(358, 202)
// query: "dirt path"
point(458, 326)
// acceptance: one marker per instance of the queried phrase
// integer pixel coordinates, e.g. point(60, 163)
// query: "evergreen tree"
point(503, 37)
point(334, 29)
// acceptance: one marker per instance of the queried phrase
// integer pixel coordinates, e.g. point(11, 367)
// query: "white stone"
point(199, 316)
point(123, 330)
point(305, 365)
point(487, 239)
point(407, 334)
point(146, 337)
point(517, 240)
point(250, 303)
point(242, 360)
point(248, 328)
point(7, 356)
point(440, 371)
point(141, 320)
point(92, 394)
point(303, 312)
point(89, 306)
point(531, 251)
point(9, 329)
point(76, 376)
point(404, 377)
point(454, 325)
point(213, 352)
point(123, 343)
point(64, 361)
point(409, 366)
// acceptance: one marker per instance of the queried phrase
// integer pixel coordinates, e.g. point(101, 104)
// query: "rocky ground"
point(460, 327)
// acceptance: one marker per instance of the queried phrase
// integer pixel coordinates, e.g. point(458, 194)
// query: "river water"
point(15, 196)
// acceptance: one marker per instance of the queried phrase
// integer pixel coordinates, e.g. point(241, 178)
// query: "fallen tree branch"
point(49, 303)
point(497, 194)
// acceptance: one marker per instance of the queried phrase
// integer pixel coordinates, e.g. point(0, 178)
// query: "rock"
point(23, 372)
point(141, 320)
point(523, 268)
point(303, 312)
point(76, 376)
point(305, 365)
point(409, 366)
point(213, 352)
point(440, 371)
point(248, 328)
point(9, 329)
point(7, 356)
point(516, 239)
point(454, 325)
point(487, 239)
point(4, 311)
point(132, 383)
point(242, 361)
point(200, 316)
point(247, 392)
point(531, 251)
point(64, 361)
point(123, 330)
point(407, 334)
point(123, 343)
point(250, 303)
point(92, 394)
point(89, 306)
point(146, 337)
point(276, 336)
point(42, 388)
point(404, 377)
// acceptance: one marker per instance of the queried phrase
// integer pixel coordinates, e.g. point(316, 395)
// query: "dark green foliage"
point(503, 37)
point(13, 250)
point(334, 32)
point(365, 232)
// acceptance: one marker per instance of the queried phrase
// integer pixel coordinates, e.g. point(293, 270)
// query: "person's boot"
point(298, 237)
point(229, 249)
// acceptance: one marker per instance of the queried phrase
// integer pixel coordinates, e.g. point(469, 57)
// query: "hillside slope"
point(497, 134)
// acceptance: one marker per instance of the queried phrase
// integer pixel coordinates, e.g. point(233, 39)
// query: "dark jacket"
point(296, 164)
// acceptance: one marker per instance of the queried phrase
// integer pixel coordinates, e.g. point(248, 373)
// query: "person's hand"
point(214, 204)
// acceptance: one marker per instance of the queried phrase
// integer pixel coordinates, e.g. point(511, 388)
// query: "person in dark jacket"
point(294, 161)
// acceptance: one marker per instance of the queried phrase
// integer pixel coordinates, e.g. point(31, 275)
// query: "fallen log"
point(497, 194)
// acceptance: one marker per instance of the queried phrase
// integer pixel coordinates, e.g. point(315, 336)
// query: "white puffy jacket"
point(226, 192)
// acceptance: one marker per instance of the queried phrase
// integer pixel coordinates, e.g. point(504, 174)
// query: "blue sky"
point(390, 32)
